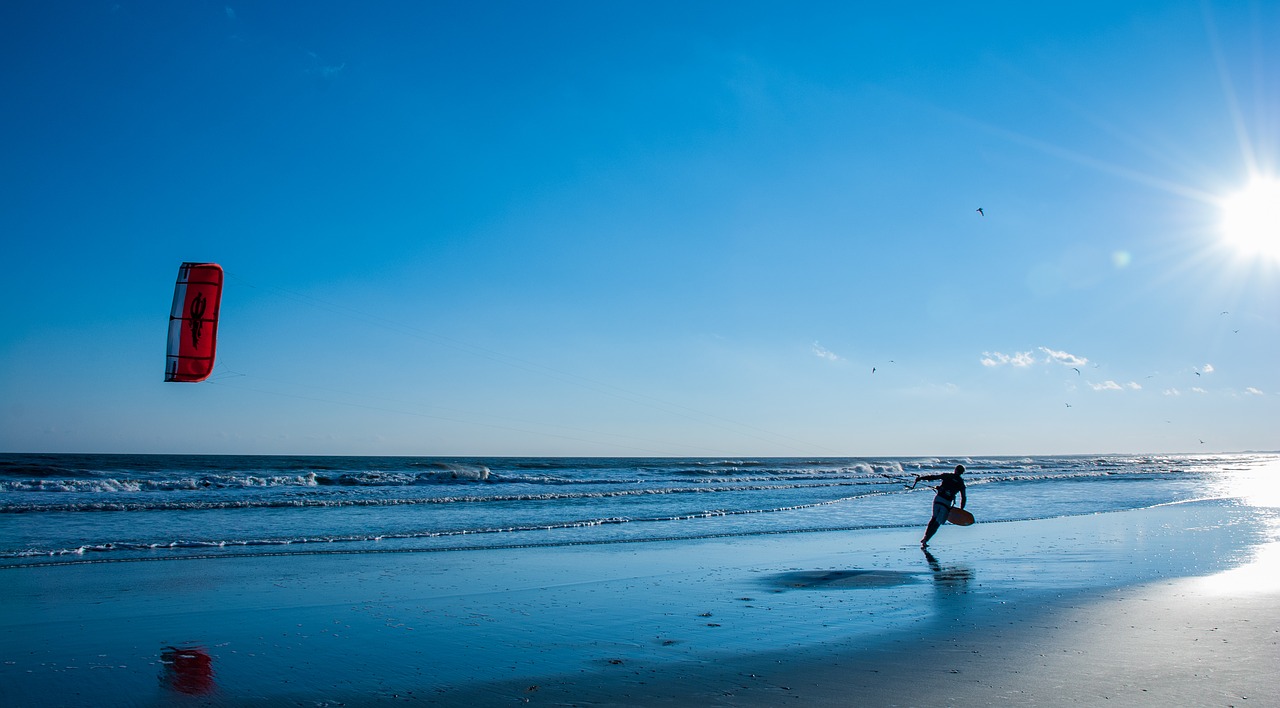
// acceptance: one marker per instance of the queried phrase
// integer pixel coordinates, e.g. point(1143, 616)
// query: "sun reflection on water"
point(1259, 488)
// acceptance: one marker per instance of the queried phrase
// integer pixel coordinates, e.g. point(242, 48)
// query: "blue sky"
point(640, 228)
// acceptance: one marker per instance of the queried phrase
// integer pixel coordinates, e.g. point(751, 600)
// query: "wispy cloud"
point(1028, 358)
point(1254, 391)
point(1064, 358)
point(231, 14)
point(823, 353)
point(1197, 389)
point(1020, 359)
point(1110, 385)
point(328, 72)
point(1208, 368)
point(1172, 392)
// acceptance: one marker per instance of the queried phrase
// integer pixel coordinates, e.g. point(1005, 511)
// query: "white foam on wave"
point(201, 505)
point(211, 544)
point(110, 485)
point(441, 472)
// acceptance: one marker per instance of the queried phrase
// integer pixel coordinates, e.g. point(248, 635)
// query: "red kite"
point(193, 322)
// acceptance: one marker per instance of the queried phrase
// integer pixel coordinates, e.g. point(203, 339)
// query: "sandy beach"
point(1171, 604)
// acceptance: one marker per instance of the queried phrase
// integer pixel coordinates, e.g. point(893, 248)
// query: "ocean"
point(90, 508)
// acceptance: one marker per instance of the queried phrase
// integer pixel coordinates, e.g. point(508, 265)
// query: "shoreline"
point(63, 560)
point(813, 616)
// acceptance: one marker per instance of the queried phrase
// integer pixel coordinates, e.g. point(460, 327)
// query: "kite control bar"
point(913, 484)
point(900, 479)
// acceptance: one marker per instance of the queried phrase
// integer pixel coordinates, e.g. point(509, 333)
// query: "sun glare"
point(1251, 218)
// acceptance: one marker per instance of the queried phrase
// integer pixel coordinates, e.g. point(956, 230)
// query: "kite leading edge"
point(193, 322)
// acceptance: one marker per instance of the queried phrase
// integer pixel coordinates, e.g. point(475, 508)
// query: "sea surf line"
point(565, 544)
point(367, 538)
point(475, 499)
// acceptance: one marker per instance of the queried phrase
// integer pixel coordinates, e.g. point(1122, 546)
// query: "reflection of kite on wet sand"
point(186, 670)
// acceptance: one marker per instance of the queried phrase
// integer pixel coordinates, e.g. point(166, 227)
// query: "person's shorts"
point(940, 511)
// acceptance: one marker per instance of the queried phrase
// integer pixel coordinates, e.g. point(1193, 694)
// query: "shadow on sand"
point(846, 578)
point(947, 578)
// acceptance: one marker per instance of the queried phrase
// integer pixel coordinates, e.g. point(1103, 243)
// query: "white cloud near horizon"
point(823, 353)
point(1197, 389)
point(1064, 358)
point(1025, 359)
point(1110, 385)
point(1172, 392)
point(1251, 391)
point(1018, 359)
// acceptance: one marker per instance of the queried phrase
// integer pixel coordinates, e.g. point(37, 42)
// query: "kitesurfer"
point(951, 484)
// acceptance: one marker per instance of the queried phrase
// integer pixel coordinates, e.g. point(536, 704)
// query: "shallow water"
point(81, 508)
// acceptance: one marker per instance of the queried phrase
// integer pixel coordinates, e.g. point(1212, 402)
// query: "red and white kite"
point(193, 322)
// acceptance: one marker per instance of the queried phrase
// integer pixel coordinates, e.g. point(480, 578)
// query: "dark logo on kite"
point(197, 319)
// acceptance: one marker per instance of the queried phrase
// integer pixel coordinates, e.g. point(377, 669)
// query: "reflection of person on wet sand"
point(952, 484)
point(950, 579)
point(934, 565)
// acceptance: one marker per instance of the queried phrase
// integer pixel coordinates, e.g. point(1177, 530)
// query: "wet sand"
point(1176, 603)
point(1177, 643)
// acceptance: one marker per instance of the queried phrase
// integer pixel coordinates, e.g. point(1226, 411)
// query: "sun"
point(1251, 218)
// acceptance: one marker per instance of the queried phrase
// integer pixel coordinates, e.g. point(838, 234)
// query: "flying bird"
point(981, 212)
point(1075, 370)
point(1068, 405)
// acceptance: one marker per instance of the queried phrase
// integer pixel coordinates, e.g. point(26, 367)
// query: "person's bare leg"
point(929, 532)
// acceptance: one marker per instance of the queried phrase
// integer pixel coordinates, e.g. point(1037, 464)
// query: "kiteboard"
point(959, 517)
